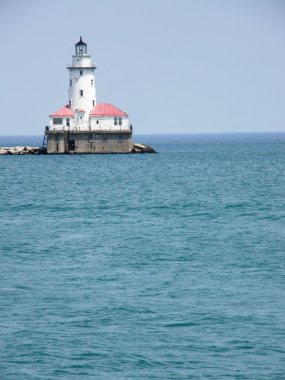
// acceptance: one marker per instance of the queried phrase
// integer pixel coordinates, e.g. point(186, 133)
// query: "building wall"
point(94, 124)
point(84, 142)
point(56, 143)
point(62, 126)
point(107, 123)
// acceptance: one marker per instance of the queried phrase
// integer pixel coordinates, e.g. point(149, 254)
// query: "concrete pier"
point(89, 142)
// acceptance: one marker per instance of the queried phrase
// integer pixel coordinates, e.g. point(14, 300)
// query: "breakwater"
point(21, 150)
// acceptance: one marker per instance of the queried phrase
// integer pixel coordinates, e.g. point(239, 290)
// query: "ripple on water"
point(166, 266)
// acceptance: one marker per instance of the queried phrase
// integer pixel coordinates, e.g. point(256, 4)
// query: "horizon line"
point(169, 134)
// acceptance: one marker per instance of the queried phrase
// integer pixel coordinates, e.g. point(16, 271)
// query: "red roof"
point(81, 111)
point(107, 109)
point(64, 111)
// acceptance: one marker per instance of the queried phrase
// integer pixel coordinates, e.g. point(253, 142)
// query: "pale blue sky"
point(176, 66)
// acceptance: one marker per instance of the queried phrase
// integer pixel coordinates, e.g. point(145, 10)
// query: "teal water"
point(166, 266)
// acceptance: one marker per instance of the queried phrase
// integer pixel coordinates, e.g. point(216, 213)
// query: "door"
point(71, 144)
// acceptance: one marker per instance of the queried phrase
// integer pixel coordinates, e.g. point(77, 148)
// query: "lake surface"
point(163, 266)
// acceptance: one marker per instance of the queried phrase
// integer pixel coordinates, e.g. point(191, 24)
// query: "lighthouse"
point(82, 125)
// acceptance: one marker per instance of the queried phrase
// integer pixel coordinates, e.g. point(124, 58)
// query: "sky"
point(175, 66)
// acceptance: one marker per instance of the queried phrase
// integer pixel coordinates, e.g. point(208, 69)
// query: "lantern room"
point(80, 47)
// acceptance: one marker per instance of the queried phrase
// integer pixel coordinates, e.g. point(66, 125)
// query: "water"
point(167, 266)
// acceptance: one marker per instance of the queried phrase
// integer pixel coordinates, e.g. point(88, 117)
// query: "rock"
point(3, 151)
point(142, 148)
point(19, 149)
point(22, 150)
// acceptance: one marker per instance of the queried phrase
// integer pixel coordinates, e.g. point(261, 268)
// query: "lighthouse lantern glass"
point(81, 49)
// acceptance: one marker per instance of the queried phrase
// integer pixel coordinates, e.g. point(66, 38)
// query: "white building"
point(82, 113)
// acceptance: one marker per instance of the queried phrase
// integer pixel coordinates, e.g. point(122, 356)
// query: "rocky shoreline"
point(23, 150)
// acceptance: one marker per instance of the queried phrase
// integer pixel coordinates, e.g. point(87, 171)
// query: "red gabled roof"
point(64, 111)
point(107, 109)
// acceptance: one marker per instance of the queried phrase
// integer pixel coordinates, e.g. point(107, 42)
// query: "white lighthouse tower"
point(82, 90)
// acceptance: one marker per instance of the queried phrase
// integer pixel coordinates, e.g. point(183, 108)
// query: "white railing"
point(77, 66)
point(82, 128)
point(109, 128)
point(60, 128)
point(105, 128)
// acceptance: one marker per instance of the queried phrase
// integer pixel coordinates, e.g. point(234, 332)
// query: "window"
point(117, 121)
point(80, 72)
point(93, 103)
point(70, 82)
point(80, 50)
point(81, 118)
point(70, 103)
point(57, 121)
point(67, 123)
point(97, 121)
point(91, 82)
point(81, 92)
